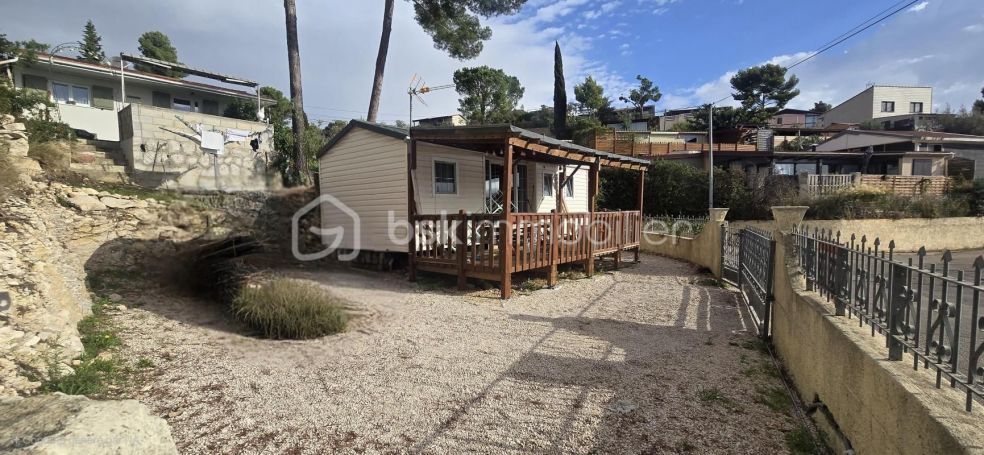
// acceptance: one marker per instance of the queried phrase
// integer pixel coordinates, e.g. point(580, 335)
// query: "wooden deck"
point(473, 246)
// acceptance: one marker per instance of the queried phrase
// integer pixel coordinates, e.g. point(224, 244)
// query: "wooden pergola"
point(494, 246)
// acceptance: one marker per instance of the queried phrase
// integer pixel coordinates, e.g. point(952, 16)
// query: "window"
point(548, 185)
point(161, 99)
point(102, 97)
point(445, 177)
point(179, 104)
point(133, 99)
point(888, 106)
point(210, 107)
point(922, 167)
point(916, 108)
point(778, 120)
point(70, 94)
point(569, 187)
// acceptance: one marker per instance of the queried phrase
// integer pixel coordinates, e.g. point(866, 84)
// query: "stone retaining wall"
point(162, 151)
point(703, 250)
point(963, 233)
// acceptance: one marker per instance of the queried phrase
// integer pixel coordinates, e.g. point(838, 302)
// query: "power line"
point(824, 49)
point(839, 39)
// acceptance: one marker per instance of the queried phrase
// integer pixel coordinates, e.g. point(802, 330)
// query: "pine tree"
point(560, 95)
point(91, 50)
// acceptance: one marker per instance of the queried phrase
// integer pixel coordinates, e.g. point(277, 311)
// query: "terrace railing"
point(922, 309)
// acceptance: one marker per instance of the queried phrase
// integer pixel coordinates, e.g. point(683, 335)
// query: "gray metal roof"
point(511, 130)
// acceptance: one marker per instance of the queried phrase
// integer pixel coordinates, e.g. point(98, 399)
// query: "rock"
point(7, 119)
point(18, 147)
point(121, 308)
point(85, 203)
point(117, 203)
point(27, 166)
point(15, 127)
point(623, 407)
point(63, 424)
point(115, 297)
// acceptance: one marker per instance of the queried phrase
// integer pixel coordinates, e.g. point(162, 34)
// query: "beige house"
point(365, 168)
point(912, 153)
point(880, 102)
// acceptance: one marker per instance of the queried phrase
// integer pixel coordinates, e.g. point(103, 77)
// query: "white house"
point(89, 95)
point(886, 102)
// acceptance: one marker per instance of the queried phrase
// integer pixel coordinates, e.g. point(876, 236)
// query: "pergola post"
point(554, 249)
point(505, 234)
point(642, 213)
point(589, 263)
point(560, 189)
point(411, 208)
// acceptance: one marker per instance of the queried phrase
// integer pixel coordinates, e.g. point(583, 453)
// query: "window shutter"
point(102, 97)
point(162, 99)
point(35, 82)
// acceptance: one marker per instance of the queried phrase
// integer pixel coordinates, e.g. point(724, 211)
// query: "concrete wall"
point(882, 406)
point(703, 250)
point(162, 152)
point(909, 233)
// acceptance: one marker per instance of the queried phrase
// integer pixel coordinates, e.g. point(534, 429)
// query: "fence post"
point(896, 310)
point(841, 280)
point(461, 245)
point(724, 240)
point(554, 240)
point(769, 294)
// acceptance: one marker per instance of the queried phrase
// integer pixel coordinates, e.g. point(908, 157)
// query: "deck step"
point(87, 167)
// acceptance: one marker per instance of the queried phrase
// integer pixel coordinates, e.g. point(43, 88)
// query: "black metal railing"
point(729, 253)
point(756, 253)
point(921, 308)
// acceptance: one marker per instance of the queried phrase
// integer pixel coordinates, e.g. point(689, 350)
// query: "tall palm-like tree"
point(298, 123)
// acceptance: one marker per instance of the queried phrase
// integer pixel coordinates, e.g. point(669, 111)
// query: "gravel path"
point(643, 360)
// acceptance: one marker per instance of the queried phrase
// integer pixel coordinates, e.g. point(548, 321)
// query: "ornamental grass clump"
point(283, 308)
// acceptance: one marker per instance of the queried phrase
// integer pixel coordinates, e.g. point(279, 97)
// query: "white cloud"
point(919, 6)
point(898, 53)
point(976, 28)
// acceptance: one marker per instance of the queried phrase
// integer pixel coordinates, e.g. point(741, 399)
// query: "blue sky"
point(689, 48)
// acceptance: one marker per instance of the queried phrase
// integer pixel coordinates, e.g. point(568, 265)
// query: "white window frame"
point(457, 172)
point(191, 104)
point(569, 187)
point(71, 94)
point(550, 187)
point(884, 103)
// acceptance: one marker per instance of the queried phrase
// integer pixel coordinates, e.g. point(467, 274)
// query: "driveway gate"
point(747, 261)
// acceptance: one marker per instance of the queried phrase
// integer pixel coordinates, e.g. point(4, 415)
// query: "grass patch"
point(532, 284)
point(435, 281)
point(712, 395)
point(291, 309)
point(775, 398)
point(94, 374)
point(800, 442)
point(53, 156)
point(144, 363)
point(138, 192)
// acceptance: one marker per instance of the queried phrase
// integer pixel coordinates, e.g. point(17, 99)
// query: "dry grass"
point(292, 309)
point(9, 181)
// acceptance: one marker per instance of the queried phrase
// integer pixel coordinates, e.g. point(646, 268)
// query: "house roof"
point(510, 131)
point(503, 131)
point(792, 111)
point(842, 140)
point(385, 130)
point(111, 71)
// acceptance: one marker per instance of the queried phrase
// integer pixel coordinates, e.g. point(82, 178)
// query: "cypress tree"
point(560, 95)
point(91, 50)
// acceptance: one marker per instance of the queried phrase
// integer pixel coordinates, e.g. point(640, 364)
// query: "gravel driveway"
point(645, 359)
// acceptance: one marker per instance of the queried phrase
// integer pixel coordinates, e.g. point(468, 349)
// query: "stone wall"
point(910, 234)
point(162, 151)
point(882, 406)
point(703, 250)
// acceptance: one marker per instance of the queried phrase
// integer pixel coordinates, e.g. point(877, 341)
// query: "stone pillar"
point(855, 179)
point(803, 178)
point(786, 218)
point(713, 232)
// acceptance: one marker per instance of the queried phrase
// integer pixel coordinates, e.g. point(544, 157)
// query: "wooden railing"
point(644, 144)
point(473, 243)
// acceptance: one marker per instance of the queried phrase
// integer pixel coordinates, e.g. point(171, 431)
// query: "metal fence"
point(730, 242)
point(756, 259)
point(924, 309)
point(687, 226)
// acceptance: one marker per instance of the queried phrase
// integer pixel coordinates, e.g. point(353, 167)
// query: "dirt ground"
point(648, 359)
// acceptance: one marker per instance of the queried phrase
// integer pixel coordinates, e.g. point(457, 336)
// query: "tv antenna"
point(417, 88)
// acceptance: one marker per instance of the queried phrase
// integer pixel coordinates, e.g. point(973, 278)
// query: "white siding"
point(470, 180)
point(578, 203)
point(367, 172)
point(902, 96)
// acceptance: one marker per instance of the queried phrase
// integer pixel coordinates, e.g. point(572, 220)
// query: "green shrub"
point(40, 130)
point(292, 309)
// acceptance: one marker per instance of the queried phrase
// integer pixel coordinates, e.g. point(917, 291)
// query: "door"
point(493, 192)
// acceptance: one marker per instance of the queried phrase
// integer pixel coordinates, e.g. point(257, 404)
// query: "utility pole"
point(710, 154)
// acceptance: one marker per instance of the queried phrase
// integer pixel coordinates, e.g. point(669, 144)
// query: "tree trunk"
point(298, 123)
point(377, 82)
